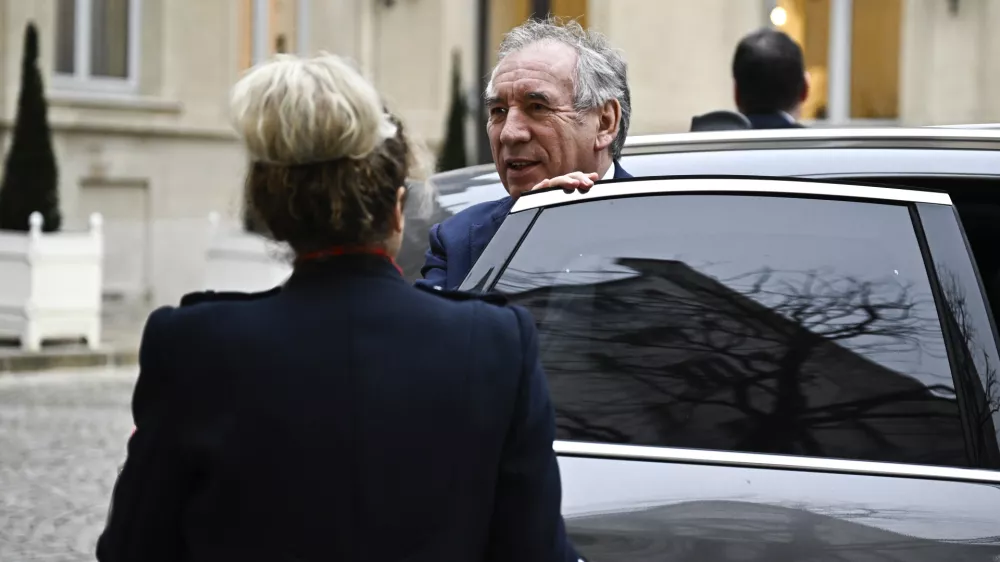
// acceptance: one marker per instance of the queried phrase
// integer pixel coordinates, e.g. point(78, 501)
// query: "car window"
point(742, 323)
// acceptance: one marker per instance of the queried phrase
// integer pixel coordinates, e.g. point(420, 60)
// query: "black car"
point(790, 354)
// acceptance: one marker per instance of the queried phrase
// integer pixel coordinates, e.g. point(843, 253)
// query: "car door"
point(761, 369)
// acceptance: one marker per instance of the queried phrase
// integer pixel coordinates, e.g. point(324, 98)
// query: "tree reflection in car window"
point(760, 324)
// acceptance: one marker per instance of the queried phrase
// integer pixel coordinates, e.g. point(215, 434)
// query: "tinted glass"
point(974, 345)
point(498, 251)
point(759, 324)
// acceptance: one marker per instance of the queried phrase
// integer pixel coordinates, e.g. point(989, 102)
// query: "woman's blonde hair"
point(327, 158)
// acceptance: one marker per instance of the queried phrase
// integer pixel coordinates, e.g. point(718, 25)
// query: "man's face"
point(535, 134)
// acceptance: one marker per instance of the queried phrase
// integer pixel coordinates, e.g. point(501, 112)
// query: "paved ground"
point(62, 437)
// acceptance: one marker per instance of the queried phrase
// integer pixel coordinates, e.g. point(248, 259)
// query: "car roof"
point(729, 185)
point(829, 162)
point(956, 137)
point(970, 126)
point(896, 137)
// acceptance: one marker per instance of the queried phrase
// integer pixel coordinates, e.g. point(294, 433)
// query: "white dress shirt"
point(610, 174)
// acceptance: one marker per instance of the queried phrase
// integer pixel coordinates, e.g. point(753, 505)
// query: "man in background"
point(770, 79)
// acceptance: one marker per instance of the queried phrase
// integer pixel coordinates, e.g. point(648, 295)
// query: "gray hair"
point(601, 71)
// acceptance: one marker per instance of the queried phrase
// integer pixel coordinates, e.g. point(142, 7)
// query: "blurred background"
point(137, 89)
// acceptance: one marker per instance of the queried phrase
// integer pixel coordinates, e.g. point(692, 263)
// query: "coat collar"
point(340, 267)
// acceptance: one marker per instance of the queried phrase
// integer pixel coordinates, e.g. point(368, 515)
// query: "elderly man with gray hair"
point(559, 110)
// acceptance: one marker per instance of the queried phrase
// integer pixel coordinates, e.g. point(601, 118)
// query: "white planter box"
point(241, 261)
point(50, 284)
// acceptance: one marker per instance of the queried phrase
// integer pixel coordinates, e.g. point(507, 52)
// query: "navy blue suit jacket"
point(456, 243)
point(772, 121)
point(318, 422)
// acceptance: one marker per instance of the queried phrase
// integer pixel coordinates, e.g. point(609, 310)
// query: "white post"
point(96, 224)
point(839, 62)
point(30, 338)
point(35, 222)
point(213, 222)
point(93, 336)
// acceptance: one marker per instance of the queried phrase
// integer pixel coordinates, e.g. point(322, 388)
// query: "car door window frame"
point(498, 253)
point(505, 251)
point(963, 321)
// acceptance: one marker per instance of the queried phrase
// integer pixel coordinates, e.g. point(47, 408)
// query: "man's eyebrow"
point(533, 96)
point(537, 96)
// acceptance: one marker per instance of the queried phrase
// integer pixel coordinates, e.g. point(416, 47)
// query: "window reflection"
point(757, 324)
point(972, 336)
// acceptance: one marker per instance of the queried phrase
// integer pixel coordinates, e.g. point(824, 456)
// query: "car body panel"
point(646, 511)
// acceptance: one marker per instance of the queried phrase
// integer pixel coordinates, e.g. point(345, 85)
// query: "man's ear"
point(399, 217)
point(608, 123)
point(806, 79)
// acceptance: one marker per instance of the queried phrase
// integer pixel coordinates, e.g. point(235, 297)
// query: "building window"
point(852, 51)
point(270, 27)
point(97, 44)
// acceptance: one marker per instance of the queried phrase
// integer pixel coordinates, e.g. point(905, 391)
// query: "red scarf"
point(348, 251)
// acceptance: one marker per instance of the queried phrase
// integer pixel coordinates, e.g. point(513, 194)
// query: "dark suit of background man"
point(770, 78)
point(543, 130)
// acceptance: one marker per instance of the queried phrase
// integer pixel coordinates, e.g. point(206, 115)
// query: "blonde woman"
point(345, 415)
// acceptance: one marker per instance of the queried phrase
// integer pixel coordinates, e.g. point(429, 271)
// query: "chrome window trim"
point(814, 138)
point(893, 133)
point(778, 462)
point(728, 186)
point(942, 137)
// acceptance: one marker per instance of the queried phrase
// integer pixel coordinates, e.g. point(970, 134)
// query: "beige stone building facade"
point(871, 62)
point(138, 93)
point(138, 88)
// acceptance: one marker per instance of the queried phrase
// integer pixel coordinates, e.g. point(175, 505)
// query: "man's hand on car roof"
point(569, 182)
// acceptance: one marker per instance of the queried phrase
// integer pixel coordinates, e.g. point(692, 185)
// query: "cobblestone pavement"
point(62, 437)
